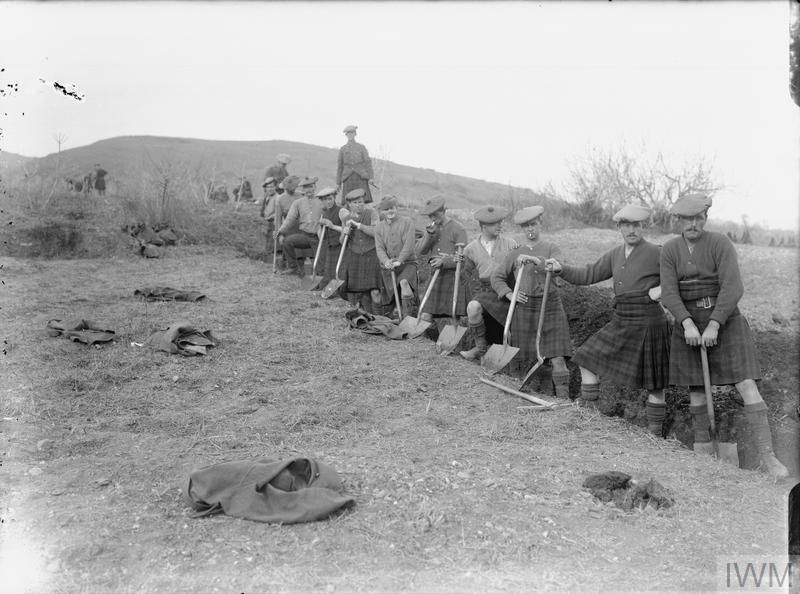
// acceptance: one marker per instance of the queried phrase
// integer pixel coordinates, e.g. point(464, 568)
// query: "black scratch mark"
point(69, 93)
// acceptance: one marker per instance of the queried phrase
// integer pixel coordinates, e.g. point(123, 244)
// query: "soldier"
point(329, 254)
point(633, 348)
point(439, 244)
point(394, 245)
point(246, 191)
point(304, 215)
point(100, 179)
point(555, 343)
point(486, 313)
point(278, 171)
point(701, 286)
point(354, 168)
point(360, 268)
point(308, 186)
point(267, 213)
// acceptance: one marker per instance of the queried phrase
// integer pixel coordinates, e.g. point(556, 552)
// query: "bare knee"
point(749, 391)
point(656, 397)
point(588, 377)
point(558, 363)
point(474, 311)
point(405, 288)
point(375, 294)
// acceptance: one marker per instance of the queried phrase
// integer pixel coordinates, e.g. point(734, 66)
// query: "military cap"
point(308, 181)
point(431, 205)
point(284, 158)
point(290, 181)
point(489, 215)
point(633, 213)
point(355, 194)
point(267, 181)
point(350, 128)
point(325, 192)
point(526, 215)
point(387, 202)
point(691, 205)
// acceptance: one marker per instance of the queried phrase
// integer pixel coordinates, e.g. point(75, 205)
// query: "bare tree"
point(60, 139)
point(607, 181)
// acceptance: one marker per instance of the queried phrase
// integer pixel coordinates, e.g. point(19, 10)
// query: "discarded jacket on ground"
point(372, 324)
point(182, 338)
point(85, 331)
point(279, 491)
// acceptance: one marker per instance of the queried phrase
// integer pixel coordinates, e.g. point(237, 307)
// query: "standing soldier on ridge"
point(278, 171)
point(701, 286)
point(394, 245)
point(486, 313)
point(633, 348)
point(100, 179)
point(354, 167)
point(439, 243)
point(555, 342)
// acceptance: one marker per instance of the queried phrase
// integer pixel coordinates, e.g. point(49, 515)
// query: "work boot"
point(590, 393)
point(655, 412)
point(409, 307)
point(700, 423)
point(756, 417)
point(481, 345)
point(561, 384)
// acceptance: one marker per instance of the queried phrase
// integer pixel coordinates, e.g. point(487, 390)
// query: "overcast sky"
point(508, 92)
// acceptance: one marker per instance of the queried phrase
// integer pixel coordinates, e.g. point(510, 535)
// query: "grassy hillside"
point(11, 160)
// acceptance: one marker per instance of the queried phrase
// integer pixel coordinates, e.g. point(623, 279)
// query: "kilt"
point(407, 271)
point(360, 272)
point(632, 349)
point(555, 341)
point(492, 305)
point(440, 301)
point(355, 181)
point(327, 262)
point(733, 359)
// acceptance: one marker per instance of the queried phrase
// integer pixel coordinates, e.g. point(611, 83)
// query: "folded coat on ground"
point(168, 294)
point(79, 330)
point(182, 338)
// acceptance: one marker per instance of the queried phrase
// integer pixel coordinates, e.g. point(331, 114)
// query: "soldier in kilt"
point(329, 254)
point(268, 204)
point(555, 343)
point(633, 348)
point(395, 247)
point(360, 267)
point(354, 166)
point(438, 244)
point(701, 286)
point(486, 312)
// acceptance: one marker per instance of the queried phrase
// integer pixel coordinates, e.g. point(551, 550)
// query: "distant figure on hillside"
point(354, 169)
point(278, 172)
point(246, 189)
point(772, 241)
point(100, 179)
point(87, 183)
point(219, 193)
point(74, 185)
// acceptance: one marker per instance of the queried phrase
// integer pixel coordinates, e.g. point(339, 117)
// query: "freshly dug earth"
point(457, 488)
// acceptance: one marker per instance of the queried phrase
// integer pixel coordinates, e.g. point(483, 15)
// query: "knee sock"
point(590, 391)
point(656, 412)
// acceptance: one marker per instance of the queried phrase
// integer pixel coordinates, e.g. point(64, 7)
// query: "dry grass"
point(457, 489)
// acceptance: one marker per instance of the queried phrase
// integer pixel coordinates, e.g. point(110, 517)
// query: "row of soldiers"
point(694, 279)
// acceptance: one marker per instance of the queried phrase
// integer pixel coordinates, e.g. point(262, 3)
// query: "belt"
point(705, 302)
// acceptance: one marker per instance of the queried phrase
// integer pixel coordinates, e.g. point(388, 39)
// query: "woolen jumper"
point(395, 240)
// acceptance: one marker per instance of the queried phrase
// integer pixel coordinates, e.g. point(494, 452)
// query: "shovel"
point(334, 284)
point(396, 296)
point(726, 452)
point(539, 358)
point(415, 327)
point(312, 281)
point(500, 355)
point(452, 335)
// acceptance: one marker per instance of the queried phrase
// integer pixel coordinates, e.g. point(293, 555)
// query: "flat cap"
point(350, 128)
point(290, 182)
point(267, 181)
point(431, 205)
point(308, 181)
point(355, 194)
point(691, 205)
point(325, 192)
point(526, 215)
point(387, 202)
point(632, 213)
point(284, 158)
point(489, 215)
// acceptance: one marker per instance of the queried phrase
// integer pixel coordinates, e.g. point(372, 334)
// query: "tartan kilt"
point(327, 261)
point(733, 359)
point(555, 341)
point(492, 305)
point(632, 349)
point(360, 272)
point(407, 271)
point(353, 182)
point(440, 301)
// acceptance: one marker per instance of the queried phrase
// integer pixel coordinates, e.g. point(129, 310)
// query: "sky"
point(512, 92)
